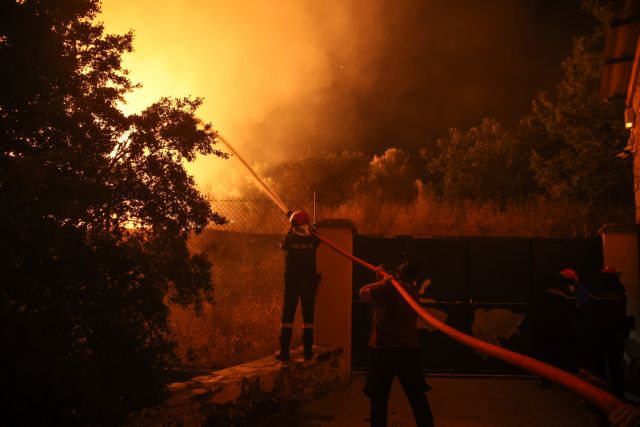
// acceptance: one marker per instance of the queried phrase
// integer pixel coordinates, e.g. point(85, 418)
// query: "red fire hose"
point(597, 396)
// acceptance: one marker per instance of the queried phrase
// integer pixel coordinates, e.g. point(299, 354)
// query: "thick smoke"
point(289, 78)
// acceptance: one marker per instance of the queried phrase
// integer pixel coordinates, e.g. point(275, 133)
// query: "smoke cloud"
point(288, 78)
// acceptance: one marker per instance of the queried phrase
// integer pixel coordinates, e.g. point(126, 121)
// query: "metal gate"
point(482, 286)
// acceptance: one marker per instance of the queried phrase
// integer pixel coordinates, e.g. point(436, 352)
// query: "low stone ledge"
point(244, 394)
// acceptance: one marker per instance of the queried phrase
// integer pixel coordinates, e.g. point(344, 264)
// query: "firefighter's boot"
point(307, 343)
point(285, 339)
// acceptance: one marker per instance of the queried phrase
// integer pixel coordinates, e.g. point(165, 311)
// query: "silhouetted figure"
point(607, 324)
point(395, 349)
point(555, 315)
point(625, 416)
point(300, 282)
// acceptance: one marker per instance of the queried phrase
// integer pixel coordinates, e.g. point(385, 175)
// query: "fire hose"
point(600, 398)
point(597, 396)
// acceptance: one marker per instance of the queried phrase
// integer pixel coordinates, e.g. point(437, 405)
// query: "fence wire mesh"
point(244, 321)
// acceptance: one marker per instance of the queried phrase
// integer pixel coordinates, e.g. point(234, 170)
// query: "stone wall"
point(244, 394)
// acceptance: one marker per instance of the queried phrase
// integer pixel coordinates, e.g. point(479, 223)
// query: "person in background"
point(395, 349)
point(581, 292)
point(555, 315)
point(607, 325)
point(625, 416)
point(300, 282)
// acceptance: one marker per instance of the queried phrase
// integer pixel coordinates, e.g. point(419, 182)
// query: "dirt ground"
point(455, 401)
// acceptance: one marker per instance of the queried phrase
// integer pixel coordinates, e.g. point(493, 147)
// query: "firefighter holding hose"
point(300, 282)
point(395, 348)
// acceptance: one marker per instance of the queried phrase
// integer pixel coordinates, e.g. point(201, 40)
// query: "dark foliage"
point(389, 177)
point(95, 210)
point(576, 137)
point(568, 147)
point(484, 163)
point(337, 177)
point(330, 175)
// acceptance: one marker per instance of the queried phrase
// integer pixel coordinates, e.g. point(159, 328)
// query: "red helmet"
point(569, 274)
point(300, 223)
point(299, 219)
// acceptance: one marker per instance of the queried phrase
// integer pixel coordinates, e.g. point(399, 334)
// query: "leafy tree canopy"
point(337, 177)
point(331, 175)
point(575, 137)
point(95, 210)
point(566, 147)
point(390, 176)
point(484, 163)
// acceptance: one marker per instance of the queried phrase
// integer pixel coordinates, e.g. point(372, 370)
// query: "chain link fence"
point(243, 323)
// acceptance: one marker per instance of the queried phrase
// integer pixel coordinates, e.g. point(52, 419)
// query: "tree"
point(576, 137)
point(390, 176)
point(331, 175)
point(484, 163)
point(95, 211)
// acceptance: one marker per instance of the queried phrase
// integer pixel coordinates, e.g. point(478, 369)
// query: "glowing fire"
point(246, 60)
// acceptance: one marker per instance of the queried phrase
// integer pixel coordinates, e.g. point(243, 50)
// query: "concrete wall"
point(620, 244)
point(333, 300)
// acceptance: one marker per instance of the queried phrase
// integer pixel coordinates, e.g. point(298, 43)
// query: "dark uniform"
point(555, 315)
point(300, 283)
point(608, 329)
point(395, 352)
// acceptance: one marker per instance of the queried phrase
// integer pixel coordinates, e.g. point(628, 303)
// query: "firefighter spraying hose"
point(600, 398)
point(301, 282)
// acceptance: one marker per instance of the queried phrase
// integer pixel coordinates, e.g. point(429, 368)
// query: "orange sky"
point(246, 59)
